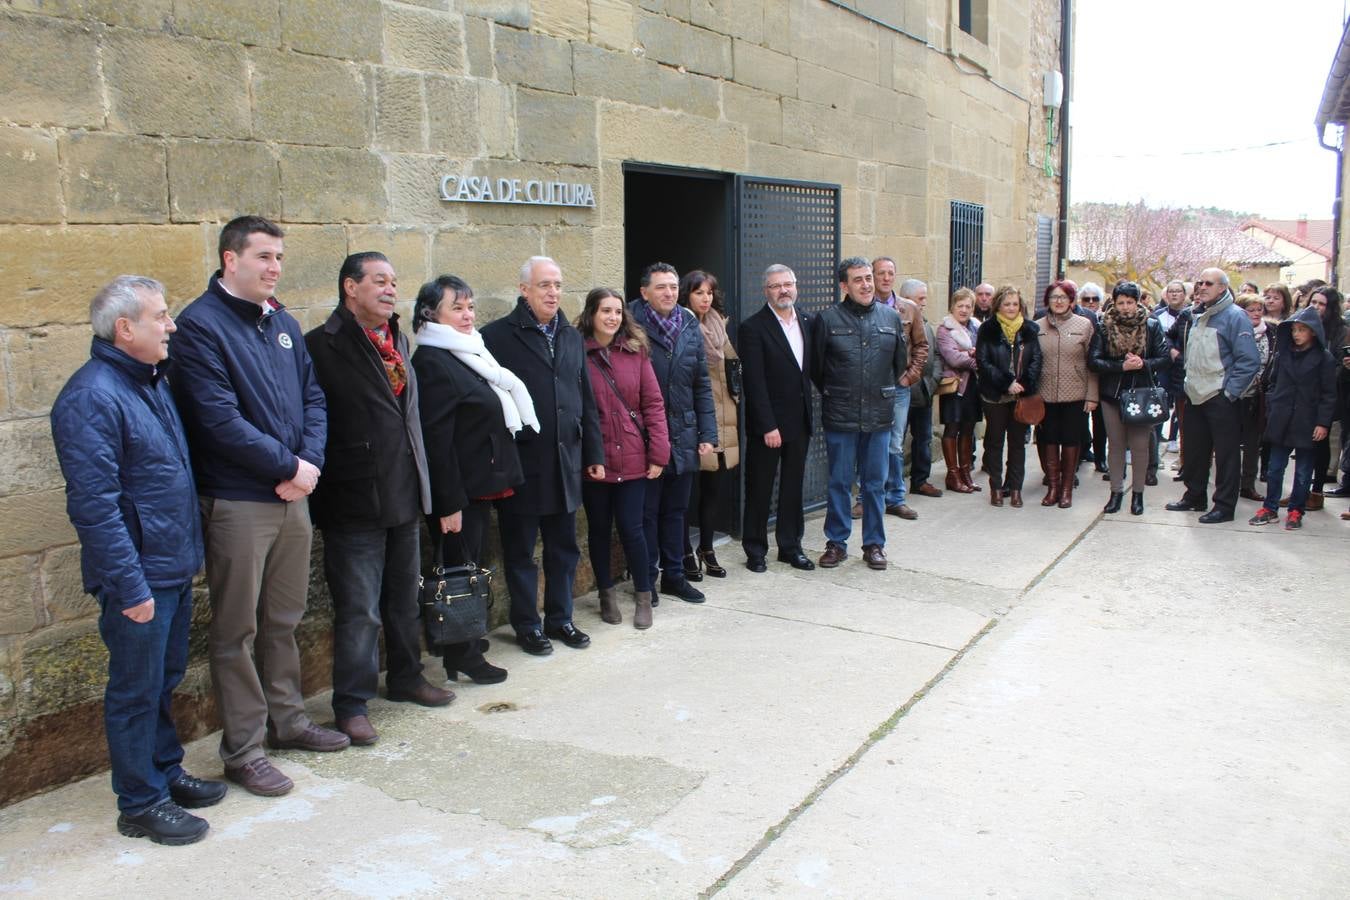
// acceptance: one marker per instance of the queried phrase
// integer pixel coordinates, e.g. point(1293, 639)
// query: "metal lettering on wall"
point(479, 189)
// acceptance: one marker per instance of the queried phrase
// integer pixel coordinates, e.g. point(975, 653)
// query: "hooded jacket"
point(1302, 391)
point(129, 488)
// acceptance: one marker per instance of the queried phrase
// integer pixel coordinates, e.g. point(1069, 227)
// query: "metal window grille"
point(1045, 245)
point(967, 268)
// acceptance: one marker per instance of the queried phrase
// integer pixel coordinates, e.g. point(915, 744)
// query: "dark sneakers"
point(1264, 517)
point(195, 793)
point(167, 823)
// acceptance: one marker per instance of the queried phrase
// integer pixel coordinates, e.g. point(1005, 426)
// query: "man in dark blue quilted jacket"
point(130, 496)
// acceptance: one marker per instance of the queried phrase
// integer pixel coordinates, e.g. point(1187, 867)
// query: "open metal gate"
point(795, 223)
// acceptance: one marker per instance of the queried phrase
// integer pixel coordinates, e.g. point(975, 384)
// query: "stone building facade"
point(130, 131)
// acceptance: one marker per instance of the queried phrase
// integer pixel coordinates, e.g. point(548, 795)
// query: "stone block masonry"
point(130, 131)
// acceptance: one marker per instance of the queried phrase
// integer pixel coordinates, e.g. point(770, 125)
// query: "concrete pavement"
point(1028, 702)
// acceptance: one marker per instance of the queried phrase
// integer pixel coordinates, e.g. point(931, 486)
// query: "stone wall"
point(130, 131)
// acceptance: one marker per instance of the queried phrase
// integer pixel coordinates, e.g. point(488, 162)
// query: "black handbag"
point(1144, 405)
point(735, 380)
point(455, 600)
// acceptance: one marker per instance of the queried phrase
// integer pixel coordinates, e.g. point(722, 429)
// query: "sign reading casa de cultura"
point(482, 189)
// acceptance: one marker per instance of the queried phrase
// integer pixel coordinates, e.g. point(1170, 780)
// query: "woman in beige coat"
point(1068, 387)
point(700, 293)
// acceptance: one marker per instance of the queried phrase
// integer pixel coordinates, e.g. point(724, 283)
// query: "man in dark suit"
point(536, 343)
point(370, 502)
point(775, 346)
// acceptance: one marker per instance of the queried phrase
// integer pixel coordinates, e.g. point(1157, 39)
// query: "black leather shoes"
point(166, 823)
point(195, 793)
point(570, 635)
point(534, 643)
point(756, 564)
point(797, 559)
point(1184, 505)
point(1215, 516)
point(1136, 503)
point(682, 589)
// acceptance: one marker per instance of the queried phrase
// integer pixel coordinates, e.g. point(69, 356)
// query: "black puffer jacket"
point(682, 371)
point(1112, 377)
point(1302, 392)
point(858, 354)
point(995, 359)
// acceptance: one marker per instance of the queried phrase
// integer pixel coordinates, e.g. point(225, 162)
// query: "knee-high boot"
point(950, 455)
point(966, 457)
point(1068, 461)
point(1050, 459)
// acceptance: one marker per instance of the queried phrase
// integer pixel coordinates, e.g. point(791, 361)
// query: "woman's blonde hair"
point(964, 293)
point(1005, 291)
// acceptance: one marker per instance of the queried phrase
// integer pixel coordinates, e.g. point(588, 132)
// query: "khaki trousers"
point(257, 569)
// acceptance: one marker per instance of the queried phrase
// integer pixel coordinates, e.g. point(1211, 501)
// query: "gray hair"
point(910, 286)
point(882, 259)
point(1092, 288)
point(121, 298)
point(530, 263)
point(775, 269)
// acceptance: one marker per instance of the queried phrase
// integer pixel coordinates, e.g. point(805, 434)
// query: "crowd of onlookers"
point(222, 439)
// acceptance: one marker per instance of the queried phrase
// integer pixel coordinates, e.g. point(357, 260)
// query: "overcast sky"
point(1166, 89)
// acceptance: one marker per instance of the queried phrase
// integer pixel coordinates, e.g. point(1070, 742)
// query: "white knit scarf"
point(517, 407)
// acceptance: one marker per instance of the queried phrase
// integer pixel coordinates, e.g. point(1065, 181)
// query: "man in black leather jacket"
point(857, 357)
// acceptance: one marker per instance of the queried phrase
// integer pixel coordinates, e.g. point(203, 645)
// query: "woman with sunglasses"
point(1129, 351)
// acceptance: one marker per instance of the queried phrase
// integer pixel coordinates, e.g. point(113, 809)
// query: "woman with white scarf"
point(958, 390)
point(471, 408)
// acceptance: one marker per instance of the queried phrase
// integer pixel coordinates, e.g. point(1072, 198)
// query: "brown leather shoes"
point(902, 511)
point(314, 738)
point(260, 777)
point(926, 490)
point(874, 556)
point(423, 695)
point(856, 512)
point(834, 554)
point(359, 729)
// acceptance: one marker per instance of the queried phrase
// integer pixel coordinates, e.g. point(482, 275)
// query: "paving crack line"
point(881, 731)
point(858, 631)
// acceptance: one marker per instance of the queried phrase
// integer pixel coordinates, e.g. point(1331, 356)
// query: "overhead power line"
point(1193, 152)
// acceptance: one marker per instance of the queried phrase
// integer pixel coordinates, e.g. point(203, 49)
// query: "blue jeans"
point(146, 661)
point(863, 452)
point(372, 576)
point(1303, 475)
point(621, 504)
point(663, 513)
point(895, 471)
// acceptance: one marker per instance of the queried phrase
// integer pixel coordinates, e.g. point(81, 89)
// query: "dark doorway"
point(683, 217)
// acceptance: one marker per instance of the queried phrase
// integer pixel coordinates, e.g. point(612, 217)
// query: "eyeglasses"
point(1205, 283)
point(779, 285)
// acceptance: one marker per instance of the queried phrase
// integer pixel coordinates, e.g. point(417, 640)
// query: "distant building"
point(1305, 241)
point(1105, 256)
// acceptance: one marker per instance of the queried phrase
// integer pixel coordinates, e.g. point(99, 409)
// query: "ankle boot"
point(953, 466)
point(1316, 500)
point(966, 458)
point(1113, 504)
point(1068, 462)
point(708, 559)
point(642, 614)
point(1050, 460)
point(1015, 499)
point(609, 606)
point(1137, 503)
point(995, 493)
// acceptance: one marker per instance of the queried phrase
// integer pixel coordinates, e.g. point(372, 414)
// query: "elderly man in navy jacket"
point(130, 496)
point(256, 421)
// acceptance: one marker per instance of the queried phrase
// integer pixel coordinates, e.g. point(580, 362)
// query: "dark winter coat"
point(627, 455)
point(1302, 392)
point(777, 393)
point(1111, 375)
point(375, 471)
point(470, 452)
point(682, 372)
point(246, 391)
point(129, 487)
point(858, 354)
point(995, 359)
point(569, 432)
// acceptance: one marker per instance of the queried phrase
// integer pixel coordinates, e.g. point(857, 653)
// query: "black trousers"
point(999, 425)
point(762, 464)
point(559, 533)
point(1213, 428)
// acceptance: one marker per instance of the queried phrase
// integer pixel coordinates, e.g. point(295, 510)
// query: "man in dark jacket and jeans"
point(372, 497)
point(681, 366)
point(537, 343)
point(857, 358)
point(130, 496)
point(256, 422)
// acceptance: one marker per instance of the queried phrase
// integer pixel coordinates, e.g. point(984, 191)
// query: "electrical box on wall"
point(1053, 90)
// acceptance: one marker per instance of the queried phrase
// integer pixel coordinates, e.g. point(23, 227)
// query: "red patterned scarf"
point(383, 339)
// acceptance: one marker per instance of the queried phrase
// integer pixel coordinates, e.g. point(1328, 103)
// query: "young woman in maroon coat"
point(637, 446)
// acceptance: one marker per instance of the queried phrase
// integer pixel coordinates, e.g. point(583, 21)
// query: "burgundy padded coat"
point(626, 458)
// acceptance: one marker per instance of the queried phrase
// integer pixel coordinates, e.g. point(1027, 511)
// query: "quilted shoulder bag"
point(455, 600)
